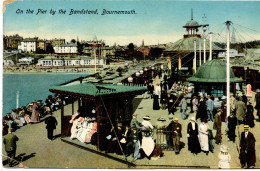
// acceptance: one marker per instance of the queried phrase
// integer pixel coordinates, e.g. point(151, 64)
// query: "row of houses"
point(70, 61)
point(16, 42)
point(55, 61)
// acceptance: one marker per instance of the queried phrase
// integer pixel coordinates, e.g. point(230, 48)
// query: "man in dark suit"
point(247, 148)
point(51, 124)
point(10, 146)
point(175, 127)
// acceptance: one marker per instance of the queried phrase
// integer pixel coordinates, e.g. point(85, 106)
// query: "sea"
point(30, 87)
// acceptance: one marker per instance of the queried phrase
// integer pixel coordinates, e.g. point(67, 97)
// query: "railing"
point(163, 138)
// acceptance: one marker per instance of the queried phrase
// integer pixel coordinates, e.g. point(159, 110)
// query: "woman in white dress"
point(203, 136)
point(224, 158)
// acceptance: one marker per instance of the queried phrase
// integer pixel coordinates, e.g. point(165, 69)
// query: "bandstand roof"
point(187, 45)
point(213, 71)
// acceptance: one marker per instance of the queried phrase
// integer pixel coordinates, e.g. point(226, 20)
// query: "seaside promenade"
point(39, 152)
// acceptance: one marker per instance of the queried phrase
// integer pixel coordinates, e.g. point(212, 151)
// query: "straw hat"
point(208, 96)
point(223, 148)
point(219, 110)
point(161, 119)
point(175, 119)
point(257, 91)
point(134, 114)
point(147, 117)
point(246, 127)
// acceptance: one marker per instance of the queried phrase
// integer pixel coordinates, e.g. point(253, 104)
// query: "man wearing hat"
point(232, 123)
point(134, 123)
point(10, 146)
point(217, 126)
point(257, 104)
point(210, 106)
point(176, 127)
point(247, 148)
point(250, 118)
point(240, 111)
point(51, 124)
point(146, 124)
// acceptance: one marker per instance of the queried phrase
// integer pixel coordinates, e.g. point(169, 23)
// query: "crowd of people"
point(30, 114)
point(206, 109)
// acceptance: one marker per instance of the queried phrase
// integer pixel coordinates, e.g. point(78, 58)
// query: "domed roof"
point(192, 23)
point(213, 71)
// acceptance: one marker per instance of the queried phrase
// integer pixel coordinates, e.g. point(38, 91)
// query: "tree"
point(131, 47)
point(73, 41)
point(155, 53)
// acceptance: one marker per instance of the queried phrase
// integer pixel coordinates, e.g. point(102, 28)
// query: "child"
point(224, 157)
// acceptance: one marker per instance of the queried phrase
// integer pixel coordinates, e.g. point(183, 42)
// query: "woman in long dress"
point(35, 117)
point(203, 136)
point(202, 110)
point(250, 115)
point(193, 141)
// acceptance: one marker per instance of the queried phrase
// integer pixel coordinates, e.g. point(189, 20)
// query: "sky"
point(154, 21)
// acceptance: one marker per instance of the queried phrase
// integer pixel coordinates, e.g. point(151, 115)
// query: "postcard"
point(130, 84)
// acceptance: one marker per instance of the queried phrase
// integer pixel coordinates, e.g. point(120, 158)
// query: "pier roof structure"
point(213, 71)
point(96, 89)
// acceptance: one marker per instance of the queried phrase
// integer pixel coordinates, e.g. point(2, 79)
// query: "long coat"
point(217, 126)
point(51, 122)
point(232, 123)
point(10, 142)
point(250, 116)
point(247, 149)
point(193, 140)
point(202, 111)
point(224, 111)
point(176, 127)
point(241, 110)
point(257, 104)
